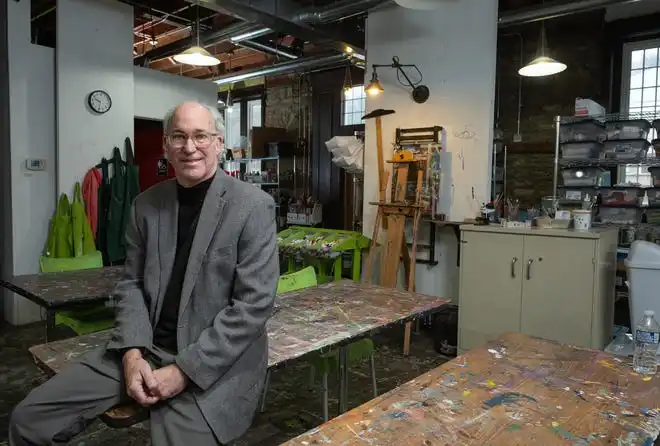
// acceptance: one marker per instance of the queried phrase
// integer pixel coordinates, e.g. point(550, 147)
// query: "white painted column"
point(455, 47)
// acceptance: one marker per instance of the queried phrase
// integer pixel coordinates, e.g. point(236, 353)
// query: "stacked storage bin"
point(581, 148)
point(626, 142)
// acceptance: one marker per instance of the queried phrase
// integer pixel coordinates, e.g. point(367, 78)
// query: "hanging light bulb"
point(374, 88)
point(542, 65)
point(197, 55)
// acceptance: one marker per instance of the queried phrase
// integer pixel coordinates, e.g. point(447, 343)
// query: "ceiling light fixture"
point(420, 93)
point(197, 55)
point(542, 65)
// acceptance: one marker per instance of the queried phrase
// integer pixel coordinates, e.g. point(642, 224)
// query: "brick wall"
point(579, 42)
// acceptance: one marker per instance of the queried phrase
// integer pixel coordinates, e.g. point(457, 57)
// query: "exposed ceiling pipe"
point(303, 64)
point(329, 14)
point(555, 10)
point(256, 46)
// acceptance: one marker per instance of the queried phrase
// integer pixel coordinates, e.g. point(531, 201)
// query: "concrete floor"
point(292, 407)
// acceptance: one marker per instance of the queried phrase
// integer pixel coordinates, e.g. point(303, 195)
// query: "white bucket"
point(582, 219)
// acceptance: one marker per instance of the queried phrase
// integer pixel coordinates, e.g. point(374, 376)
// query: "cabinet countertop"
point(593, 233)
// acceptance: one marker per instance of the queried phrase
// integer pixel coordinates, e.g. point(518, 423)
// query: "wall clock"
point(99, 101)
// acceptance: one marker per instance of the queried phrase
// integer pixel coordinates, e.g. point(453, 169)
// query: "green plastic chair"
point(324, 363)
point(87, 319)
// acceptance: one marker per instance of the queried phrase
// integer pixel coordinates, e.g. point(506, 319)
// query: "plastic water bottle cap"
point(649, 313)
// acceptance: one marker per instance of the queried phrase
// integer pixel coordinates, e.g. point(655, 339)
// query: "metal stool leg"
point(324, 381)
point(373, 374)
point(265, 392)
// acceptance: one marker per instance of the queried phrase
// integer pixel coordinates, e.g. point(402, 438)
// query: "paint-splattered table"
point(308, 321)
point(517, 390)
point(58, 291)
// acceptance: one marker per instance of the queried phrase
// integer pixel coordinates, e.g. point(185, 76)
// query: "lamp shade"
point(197, 56)
point(419, 4)
point(542, 66)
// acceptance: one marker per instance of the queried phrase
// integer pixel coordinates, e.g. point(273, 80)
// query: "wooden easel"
point(395, 214)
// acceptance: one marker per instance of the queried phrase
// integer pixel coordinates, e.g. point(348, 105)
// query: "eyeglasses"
point(201, 140)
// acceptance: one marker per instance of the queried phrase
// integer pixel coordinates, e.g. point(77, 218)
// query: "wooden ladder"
point(395, 214)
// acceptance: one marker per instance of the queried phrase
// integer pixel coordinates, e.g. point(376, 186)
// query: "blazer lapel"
point(209, 218)
point(168, 215)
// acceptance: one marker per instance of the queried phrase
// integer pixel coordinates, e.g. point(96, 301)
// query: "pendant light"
point(542, 64)
point(196, 55)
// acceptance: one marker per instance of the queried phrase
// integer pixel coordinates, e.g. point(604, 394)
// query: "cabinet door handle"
point(513, 267)
point(529, 268)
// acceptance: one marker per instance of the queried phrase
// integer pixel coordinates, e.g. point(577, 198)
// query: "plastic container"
point(588, 176)
point(628, 129)
point(643, 268)
point(656, 125)
point(647, 341)
point(581, 219)
point(581, 150)
point(656, 147)
point(577, 195)
point(631, 149)
point(582, 130)
point(653, 196)
point(625, 216)
point(621, 196)
point(655, 175)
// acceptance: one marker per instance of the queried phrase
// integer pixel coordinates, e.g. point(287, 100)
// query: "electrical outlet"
point(517, 137)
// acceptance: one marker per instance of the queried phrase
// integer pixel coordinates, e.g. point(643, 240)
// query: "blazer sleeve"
point(238, 325)
point(132, 323)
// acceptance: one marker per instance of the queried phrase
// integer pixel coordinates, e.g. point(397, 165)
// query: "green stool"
point(324, 363)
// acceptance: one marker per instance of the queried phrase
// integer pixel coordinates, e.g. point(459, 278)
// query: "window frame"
point(343, 102)
point(243, 98)
point(626, 70)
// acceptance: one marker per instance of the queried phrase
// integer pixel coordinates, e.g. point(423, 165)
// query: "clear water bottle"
point(647, 340)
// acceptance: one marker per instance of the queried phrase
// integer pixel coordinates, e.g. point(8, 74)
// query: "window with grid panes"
point(640, 93)
point(352, 105)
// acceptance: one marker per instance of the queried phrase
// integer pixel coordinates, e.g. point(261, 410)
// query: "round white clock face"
point(99, 101)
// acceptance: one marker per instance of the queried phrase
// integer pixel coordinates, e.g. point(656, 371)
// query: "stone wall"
point(577, 41)
point(282, 105)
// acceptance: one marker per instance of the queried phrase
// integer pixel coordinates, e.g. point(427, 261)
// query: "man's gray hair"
point(218, 120)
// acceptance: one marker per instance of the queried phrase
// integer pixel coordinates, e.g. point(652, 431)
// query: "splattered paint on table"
point(53, 290)
point(311, 320)
point(515, 391)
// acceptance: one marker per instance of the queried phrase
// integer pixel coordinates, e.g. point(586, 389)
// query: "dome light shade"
point(419, 4)
point(197, 56)
point(542, 66)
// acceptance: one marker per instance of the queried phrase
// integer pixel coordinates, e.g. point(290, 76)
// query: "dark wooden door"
point(328, 180)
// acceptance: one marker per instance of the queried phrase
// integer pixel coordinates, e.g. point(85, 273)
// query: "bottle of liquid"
point(647, 340)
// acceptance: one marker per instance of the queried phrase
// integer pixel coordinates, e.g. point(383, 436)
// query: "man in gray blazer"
point(199, 284)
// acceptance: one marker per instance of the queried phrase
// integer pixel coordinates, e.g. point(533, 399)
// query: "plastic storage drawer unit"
point(582, 130)
point(581, 150)
point(624, 196)
point(630, 129)
point(588, 176)
point(631, 149)
point(625, 216)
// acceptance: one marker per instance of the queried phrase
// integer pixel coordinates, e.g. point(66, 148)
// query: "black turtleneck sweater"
point(190, 205)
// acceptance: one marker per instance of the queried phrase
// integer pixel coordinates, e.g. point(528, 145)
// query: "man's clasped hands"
point(148, 386)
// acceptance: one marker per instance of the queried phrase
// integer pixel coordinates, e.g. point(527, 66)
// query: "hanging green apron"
point(115, 219)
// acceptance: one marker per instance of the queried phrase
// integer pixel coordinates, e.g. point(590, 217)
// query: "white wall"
point(454, 46)
point(94, 52)
point(32, 132)
point(157, 92)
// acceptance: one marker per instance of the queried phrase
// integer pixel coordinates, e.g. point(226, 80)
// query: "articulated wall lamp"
point(420, 93)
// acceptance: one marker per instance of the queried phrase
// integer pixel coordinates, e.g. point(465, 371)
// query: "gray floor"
point(293, 407)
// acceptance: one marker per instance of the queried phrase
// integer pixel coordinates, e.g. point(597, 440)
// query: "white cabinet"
point(554, 284)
